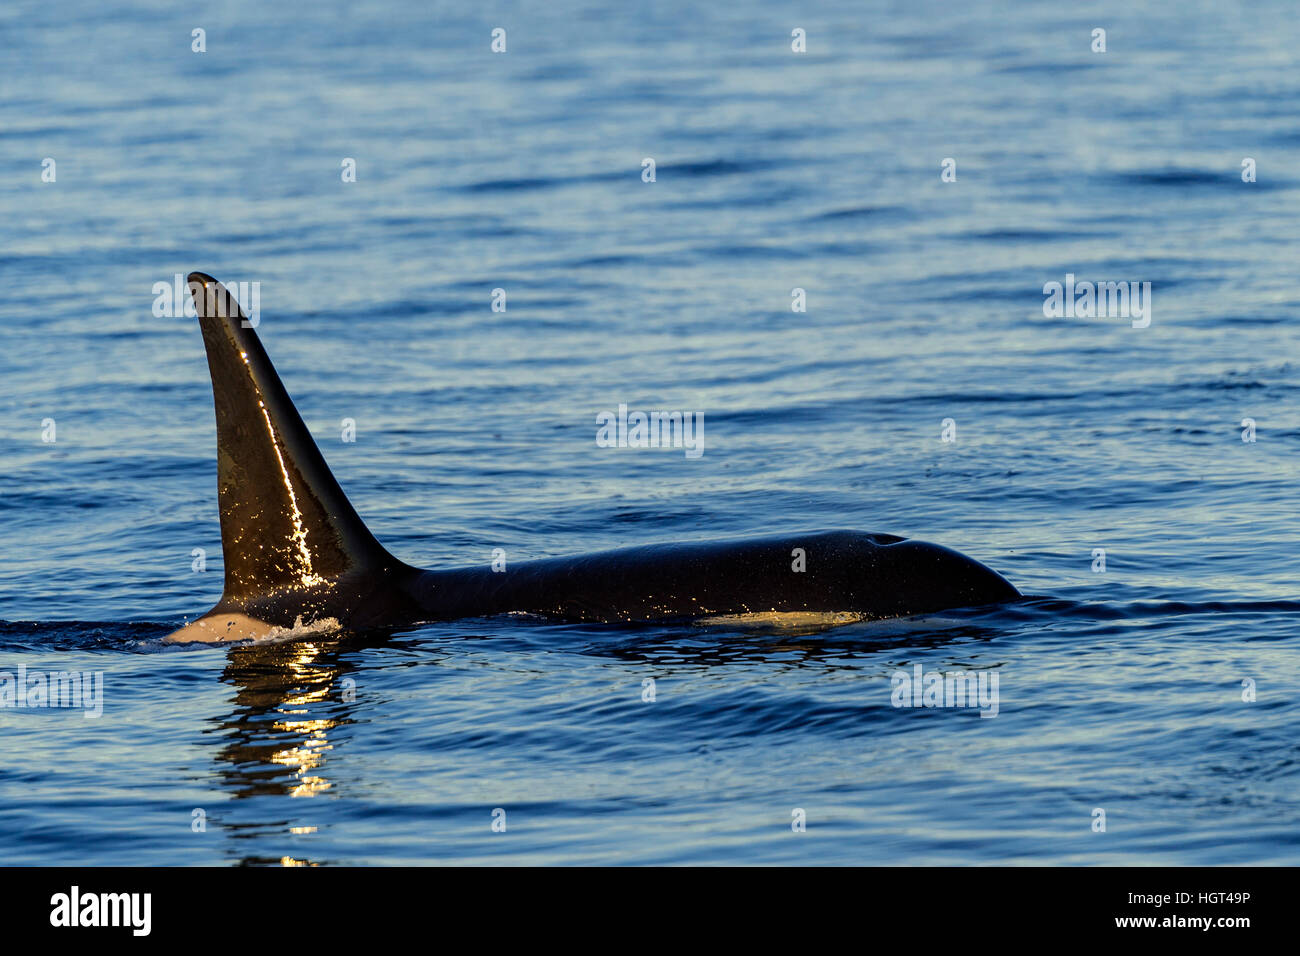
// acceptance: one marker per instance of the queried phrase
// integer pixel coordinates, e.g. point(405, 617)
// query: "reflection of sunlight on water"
point(309, 754)
point(302, 760)
point(285, 714)
point(279, 726)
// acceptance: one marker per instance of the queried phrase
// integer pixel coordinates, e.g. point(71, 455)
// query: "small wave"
point(1179, 178)
point(131, 636)
point(858, 212)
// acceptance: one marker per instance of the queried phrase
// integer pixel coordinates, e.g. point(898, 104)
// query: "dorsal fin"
point(285, 522)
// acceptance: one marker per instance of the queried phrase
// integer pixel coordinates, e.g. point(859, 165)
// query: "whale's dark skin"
point(297, 554)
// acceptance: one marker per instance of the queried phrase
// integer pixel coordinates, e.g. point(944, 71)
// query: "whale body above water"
point(297, 556)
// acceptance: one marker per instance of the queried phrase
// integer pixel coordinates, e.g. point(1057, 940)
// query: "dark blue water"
point(1120, 690)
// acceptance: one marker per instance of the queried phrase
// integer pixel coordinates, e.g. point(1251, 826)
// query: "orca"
point(299, 559)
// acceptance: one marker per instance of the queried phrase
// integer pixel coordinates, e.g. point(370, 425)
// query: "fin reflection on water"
point(291, 700)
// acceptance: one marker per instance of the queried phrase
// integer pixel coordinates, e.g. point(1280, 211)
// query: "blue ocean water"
point(1120, 690)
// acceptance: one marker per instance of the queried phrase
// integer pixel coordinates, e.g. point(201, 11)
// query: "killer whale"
point(297, 555)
